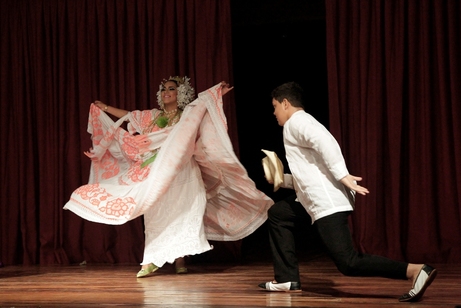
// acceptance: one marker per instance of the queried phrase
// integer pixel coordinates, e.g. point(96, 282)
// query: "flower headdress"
point(185, 91)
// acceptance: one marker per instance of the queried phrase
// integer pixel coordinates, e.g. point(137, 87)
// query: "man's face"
point(280, 111)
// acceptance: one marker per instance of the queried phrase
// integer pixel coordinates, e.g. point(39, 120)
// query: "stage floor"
point(212, 285)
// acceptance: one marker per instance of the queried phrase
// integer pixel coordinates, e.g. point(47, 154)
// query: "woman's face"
point(170, 93)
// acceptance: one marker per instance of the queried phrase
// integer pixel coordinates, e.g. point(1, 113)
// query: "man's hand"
point(350, 181)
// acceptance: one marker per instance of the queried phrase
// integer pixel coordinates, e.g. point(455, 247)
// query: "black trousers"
point(283, 219)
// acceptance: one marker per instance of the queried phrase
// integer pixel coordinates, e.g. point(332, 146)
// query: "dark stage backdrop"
point(57, 57)
point(274, 42)
point(394, 76)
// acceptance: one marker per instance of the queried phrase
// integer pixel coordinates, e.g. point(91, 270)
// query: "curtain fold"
point(393, 77)
point(57, 57)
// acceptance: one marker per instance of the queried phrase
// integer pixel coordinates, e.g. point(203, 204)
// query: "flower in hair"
point(185, 92)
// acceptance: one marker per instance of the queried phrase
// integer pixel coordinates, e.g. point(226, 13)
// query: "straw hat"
point(273, 169)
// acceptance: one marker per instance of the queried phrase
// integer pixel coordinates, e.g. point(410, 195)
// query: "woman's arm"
point(111, 110)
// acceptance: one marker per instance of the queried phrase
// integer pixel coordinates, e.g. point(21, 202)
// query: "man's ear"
point(286, 103)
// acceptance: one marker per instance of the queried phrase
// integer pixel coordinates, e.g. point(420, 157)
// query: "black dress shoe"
point(290, 286)
point(424, 279)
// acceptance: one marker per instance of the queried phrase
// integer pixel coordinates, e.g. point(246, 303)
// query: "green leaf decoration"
point(149, 160)
point(162, 122)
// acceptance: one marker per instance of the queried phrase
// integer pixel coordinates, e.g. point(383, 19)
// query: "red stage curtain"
point(394, 76)
point(56, 58)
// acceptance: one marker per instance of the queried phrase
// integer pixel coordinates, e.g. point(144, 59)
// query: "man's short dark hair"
point(291, 91)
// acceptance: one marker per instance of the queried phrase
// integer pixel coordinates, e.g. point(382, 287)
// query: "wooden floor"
point(212, 285)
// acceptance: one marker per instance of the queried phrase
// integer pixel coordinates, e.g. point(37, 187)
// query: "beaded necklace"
point(169, 113)
point(164, 119)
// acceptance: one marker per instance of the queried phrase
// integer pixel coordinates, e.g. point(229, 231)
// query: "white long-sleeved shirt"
point(316, 165)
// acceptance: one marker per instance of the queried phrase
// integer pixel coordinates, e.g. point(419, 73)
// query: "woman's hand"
point(111, 110)
point(101, 105)
point(225, 87)
point(90, 154)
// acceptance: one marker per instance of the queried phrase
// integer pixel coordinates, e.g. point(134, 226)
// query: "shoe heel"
point(181, 270)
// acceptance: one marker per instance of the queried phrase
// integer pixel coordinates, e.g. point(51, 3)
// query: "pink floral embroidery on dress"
point(93, 192)
point(96, 125)
point(129, 146)
point(108, 136)
point(110, 166)
point(119, 207)
point(138, 174)
point(155, 128)
point(147, 118)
